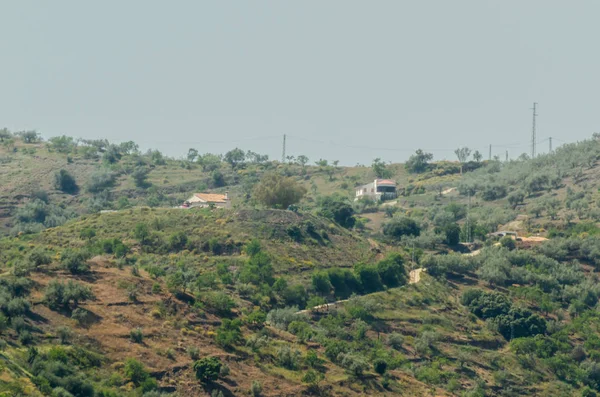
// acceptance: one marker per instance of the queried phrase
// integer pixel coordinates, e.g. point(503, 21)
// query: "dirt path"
point(415, 275)
point(448, 191)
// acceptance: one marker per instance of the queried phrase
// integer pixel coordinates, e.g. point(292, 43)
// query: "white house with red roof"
point(208, 200)
point(379, 189)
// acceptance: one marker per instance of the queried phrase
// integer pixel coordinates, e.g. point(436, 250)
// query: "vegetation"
point(298, 288)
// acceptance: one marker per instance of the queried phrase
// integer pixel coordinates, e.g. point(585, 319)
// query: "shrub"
point(66, 295)
point(256, 388)
point(87, 233)
point(64, 334)
point(38, 256)
point(100, 181)
point(395, 340)
point(338, 209)
point(140, 176)
point(75, 261)
point(508, 242)
point(380, 366)
point(80, 315)
point(295, 295)
point(321, 283)
point(288, 358)
point(136, 335)
point(219, 302)
point(229, 333)
point(178, 241)
point(225, 370)
point(65, 182)
point(193, 352)
point(135, 371)
point(425, 344)
point(391, 270)
point(207, 369)
point(277, 191)
point(344, 282)
point(354, 363)
point(399, 227)
point(281, 318)
point(369, 278)
point(253, 247)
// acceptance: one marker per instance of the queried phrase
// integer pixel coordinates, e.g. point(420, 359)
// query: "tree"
point(369, 278)
point(399, 227)
point(516, 198)
point(129, 147)
point(65, 182)
point(338, 209)
point(477, 156)
point(463, 154)
point(66, 295)
point(141, 233)
point(391, 270)
point(277, 191)
point(321, 283)
point(75, 261)
point(229, 333)
point(302, 160)
point(62, 144)
point(209, 162)
point(135, 371)
point(5, 134)
point(29, 136)
point(235, 157)
point(452, 233)
point(87, 233)
point(192, 154)
point(112, 154)
point(140, 175)
point(418, 162)
point(380, 170)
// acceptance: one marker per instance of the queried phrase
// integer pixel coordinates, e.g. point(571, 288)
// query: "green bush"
point(65, 182)
point(135, 372)
point(136, 335)
point(207, 369)
point(391, 270)
point(229, 333)
point(288, 358)
point(399, 227)
point(75, 261)
point(66, 295)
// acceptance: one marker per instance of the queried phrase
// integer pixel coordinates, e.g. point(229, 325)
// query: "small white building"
point(207, 200)
point(379, 189)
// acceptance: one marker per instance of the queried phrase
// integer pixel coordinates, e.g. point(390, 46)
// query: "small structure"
point(379, 189)
point(208, 200)
point(503, 233)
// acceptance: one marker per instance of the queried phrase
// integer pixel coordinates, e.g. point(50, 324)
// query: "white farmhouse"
point(379, 189)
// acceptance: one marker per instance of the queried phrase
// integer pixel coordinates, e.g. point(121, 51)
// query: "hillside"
point(107, 290)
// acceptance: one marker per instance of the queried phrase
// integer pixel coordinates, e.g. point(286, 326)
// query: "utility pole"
point(550, 142)
point(533, 138)
point(468, 237)
point(283, 151)
point(506, 156)
point(490, 158)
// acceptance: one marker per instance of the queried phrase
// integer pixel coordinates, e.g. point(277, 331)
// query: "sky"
point(344, 80)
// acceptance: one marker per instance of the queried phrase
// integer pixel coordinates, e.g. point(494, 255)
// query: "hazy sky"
point(346, 80)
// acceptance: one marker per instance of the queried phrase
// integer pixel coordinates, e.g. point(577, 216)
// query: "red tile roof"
point(386, 182)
